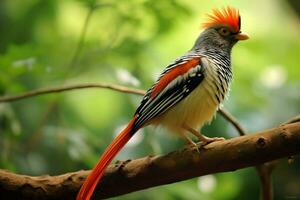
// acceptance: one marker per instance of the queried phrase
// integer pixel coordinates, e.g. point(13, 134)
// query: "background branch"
point(133, 175)
point(293, 120)
point(50, 90)
point(264, 170)
point(119, 88)
point(230, 118)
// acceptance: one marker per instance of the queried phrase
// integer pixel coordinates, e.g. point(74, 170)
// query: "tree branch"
point(293, 120)
point(264, 170)
point(119, 88)
point(233, 121)
point(42, 91)
point(133, 175)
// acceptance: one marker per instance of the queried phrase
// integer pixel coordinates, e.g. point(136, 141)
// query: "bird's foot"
point(206, 140)
point(194, 145)
point(121, 164)
point(190, 142)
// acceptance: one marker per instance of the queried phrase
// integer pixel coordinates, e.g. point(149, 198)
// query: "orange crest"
point(227, 16)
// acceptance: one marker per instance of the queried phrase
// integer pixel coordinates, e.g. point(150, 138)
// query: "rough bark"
point(129, 176)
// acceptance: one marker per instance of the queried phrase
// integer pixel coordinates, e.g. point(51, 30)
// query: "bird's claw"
point(206, 140)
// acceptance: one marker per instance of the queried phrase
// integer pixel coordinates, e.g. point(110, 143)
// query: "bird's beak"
point(241, 36)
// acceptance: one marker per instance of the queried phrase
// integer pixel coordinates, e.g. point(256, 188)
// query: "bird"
point(187, 93)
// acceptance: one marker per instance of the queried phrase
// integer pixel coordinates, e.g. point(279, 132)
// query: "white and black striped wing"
point(174, 92)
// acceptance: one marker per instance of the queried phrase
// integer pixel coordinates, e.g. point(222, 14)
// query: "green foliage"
point(50, 43)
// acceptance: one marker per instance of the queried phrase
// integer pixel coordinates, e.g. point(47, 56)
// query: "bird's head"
point(222, 30)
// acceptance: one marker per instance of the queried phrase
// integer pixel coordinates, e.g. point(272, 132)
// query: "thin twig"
point(264, 170)
point(233, 121)
point(81, 38)
point(265, 175)
point(42, 91)
point(80, 44)
point(115, 87)
point(292, 120)
point(36, 135)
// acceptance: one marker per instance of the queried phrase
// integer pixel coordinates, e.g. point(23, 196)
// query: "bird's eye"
point(224, 31)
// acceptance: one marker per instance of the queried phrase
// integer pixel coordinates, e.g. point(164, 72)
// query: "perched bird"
point(187, 93)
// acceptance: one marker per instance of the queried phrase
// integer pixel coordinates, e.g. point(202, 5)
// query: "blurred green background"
point(48, 43)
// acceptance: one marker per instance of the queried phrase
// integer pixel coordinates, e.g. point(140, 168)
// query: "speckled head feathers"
point(227, 16)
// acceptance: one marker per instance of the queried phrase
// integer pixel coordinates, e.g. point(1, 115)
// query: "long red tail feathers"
point(89, 185)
